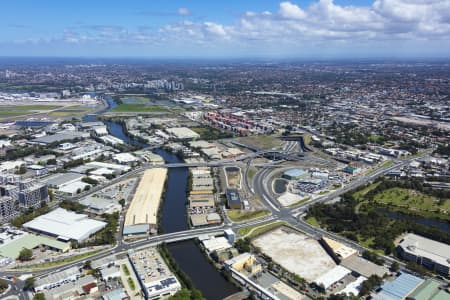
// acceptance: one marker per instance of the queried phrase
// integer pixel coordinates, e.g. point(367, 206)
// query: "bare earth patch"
point(296, 253)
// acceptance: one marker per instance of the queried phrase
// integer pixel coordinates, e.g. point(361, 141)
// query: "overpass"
point(297, 138)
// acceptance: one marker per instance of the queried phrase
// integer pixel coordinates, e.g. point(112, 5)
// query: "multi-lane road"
point(261, 186)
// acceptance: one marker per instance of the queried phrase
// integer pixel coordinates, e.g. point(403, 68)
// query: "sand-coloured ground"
point(296, 253)
point(144, 206)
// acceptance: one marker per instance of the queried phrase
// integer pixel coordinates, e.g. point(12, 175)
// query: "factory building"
point(431, 254)
point(65, 225)
point(399, 288)
point(294, 174)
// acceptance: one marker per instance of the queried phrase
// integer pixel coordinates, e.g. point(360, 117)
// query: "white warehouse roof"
point(65, 224)
point(332, 276)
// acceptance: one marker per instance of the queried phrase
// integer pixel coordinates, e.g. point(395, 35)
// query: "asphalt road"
point(260, 187)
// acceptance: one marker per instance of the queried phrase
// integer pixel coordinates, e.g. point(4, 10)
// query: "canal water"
point(174, 218)
point(423, 221)
point(204, 275)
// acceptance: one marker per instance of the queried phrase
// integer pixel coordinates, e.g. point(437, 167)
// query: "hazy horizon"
point(303, 29)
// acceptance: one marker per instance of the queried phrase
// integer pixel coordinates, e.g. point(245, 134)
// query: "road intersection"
point(260, 187)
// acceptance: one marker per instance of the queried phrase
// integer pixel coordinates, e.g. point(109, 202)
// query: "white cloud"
point(321, 24)
point(291, 11)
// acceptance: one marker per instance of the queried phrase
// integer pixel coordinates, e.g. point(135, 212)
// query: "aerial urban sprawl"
point(227, 178)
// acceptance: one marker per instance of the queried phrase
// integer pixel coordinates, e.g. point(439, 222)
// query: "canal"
point(174, 218)
point(441, 225)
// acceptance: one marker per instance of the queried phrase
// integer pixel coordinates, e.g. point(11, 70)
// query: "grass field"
point(256, 230)
point(359, 195)
point(251, 173)
point(20, 110)
point(70, 111)
point(401, 199)
point(11, 113)
point(210, 133)
point(411, 199)
point(29, 107)
point(261, 141)
point(135, 99)
point(242, 215)
point(138, 108)
point(312, 221)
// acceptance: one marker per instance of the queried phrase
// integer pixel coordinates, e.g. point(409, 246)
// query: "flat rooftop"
point(65, 224)
point(144, 206)
point(363, 266)
point(150, 266)
point(31, 241)
point(421, 246)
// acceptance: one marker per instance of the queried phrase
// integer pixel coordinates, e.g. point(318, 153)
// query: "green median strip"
point(61, 262)
point(253, 231)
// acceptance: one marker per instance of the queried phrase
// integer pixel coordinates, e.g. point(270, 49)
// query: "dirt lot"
point(295, 252)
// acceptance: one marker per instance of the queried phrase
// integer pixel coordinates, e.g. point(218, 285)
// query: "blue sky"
point(253, 28)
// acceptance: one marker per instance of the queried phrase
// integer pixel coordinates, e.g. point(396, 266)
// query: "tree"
point(243, 245)
point(25, 254)
point(51, 161)
point(39, 296)
point(89, 180)
point(369, 284)
point(29, 283)
point(87, 265)
point(182, 294)
point(186, 294)
point(395, 267)
point(122, 202)
point(21, 170)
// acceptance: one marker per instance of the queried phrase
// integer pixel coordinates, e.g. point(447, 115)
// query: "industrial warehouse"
point(143, 210)
point(65, 225)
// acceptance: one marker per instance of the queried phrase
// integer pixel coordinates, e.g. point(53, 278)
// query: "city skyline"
point(316, 29)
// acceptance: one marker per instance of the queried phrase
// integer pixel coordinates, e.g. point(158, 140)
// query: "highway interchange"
point(259, 186)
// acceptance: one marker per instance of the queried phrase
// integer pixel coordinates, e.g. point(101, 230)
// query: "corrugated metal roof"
point(136, 229)
point(424, 291)
point(30, 241)
point(398, 288)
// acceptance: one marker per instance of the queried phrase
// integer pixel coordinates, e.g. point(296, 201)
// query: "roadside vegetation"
point(30, 214)
point(60, 262)
point(243, 215)
point(358, 218)
point(253, 231)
